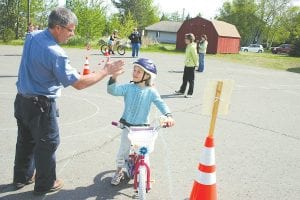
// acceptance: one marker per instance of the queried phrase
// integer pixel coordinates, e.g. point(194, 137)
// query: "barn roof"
point(225, 29)
point(165, 26)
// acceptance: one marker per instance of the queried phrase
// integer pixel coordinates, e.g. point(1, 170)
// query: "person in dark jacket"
point(136, 42)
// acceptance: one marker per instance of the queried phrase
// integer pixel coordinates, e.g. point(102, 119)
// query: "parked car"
point(283, 48)
point(253, 48)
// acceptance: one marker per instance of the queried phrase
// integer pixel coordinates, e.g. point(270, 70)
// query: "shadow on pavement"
point(101, 189)
point(169, 96)
point(295, 70)
point(7, 188)
point(174, 71)
point(8, 76)
point(11, 55)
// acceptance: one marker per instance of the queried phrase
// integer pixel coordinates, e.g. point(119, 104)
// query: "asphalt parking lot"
point(257, 143)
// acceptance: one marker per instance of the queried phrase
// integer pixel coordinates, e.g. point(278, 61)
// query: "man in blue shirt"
point(44, 70)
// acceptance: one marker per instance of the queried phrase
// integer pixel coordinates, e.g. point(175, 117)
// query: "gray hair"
point(62, 17)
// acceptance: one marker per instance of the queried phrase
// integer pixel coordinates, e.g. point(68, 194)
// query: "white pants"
point(124, 150)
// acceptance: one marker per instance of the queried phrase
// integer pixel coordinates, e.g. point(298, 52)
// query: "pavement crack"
point(186, 110)
point(89, 150)
point(261, 128)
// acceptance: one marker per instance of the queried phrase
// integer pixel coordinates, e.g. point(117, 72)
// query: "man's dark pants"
point(38, 139)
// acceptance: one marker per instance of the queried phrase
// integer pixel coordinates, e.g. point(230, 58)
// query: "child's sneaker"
point(117, 178)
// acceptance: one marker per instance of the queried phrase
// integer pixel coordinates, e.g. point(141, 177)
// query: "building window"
point(157, 34)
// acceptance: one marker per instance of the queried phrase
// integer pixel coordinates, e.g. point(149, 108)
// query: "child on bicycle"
point(111, 41)
point(139, 94)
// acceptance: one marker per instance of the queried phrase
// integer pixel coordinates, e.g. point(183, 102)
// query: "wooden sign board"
point(209, 97)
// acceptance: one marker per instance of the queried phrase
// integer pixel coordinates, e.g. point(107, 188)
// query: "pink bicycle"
point(142, 140)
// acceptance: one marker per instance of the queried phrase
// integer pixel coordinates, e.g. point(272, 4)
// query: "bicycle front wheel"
point(142, 183)
point(104, 48)
point(121, 50)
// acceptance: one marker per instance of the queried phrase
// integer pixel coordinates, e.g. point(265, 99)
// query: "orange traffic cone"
point(106, 54)
point(86, 67)
point(205, 184)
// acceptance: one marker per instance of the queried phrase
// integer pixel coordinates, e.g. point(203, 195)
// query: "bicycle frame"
point(137, 154)
point(118, 47)
point(140, 161)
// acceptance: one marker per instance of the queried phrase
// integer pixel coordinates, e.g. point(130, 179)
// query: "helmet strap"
point(142, 80)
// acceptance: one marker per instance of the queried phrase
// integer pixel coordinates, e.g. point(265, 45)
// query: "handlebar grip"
point(115, 123)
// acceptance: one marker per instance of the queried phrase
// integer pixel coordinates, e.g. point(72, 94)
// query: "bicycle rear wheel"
point(121, 50)
point(103, 48)
point(142, 183)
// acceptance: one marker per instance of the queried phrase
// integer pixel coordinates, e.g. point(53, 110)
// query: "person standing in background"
point(202, 51)
point(30, 27)
point(191, 61)
point(136, 42)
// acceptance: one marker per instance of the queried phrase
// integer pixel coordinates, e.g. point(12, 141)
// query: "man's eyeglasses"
point(70, 30)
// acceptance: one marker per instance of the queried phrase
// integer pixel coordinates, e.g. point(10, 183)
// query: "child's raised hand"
point(114, 68)
point(115, 75)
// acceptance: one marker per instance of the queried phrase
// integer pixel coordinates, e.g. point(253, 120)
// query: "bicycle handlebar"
point(161, 124)
point(118, 124)
point(121, 126)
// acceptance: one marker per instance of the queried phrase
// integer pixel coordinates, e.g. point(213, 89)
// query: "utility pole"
point(28, 14)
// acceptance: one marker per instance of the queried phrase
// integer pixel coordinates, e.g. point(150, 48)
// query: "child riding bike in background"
point(139, 94)
point(111, 42)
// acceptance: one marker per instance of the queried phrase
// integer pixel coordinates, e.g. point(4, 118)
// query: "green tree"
point(264, 21)
point(199, 15)
point(124, 25)
point(41, 13)
point(242, 13)
point(9, 18)
point(91, 18)
point(142, 11)
point(188, 17)
point(175, 16)
point(164, 17)
point(15, 15)
point(271, 14)
point(292, 26)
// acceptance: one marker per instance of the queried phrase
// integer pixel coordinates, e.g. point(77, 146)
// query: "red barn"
point(222, 37)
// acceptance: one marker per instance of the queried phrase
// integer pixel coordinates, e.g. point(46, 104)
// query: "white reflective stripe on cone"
point(206, 178)
point(208, 156)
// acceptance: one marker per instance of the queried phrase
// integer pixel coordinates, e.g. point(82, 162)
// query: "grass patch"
point(266, 60)
point(13, 42)
point(161, 48)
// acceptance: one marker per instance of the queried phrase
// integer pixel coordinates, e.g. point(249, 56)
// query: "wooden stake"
point(215, 109)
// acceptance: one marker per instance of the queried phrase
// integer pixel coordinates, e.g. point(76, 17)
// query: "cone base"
point(86, 71)
point(203, 192)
